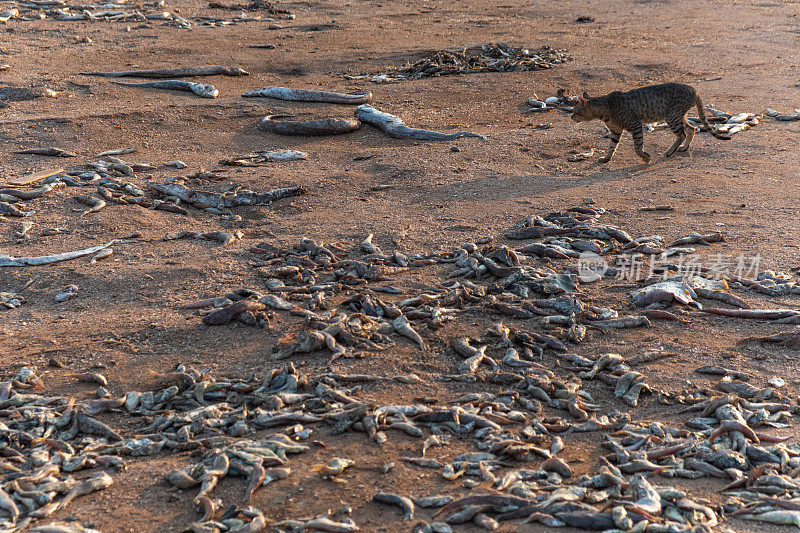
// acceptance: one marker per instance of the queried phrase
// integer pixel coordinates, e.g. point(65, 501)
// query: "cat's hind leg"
point(638, 142)
point(689, 131)
point(677, 126)
point(614, 133)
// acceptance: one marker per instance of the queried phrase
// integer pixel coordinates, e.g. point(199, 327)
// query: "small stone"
point(776, 382)
point(67, 294)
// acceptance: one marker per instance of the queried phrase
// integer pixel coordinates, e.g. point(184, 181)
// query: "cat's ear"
point(586, 95)
point(582, 100)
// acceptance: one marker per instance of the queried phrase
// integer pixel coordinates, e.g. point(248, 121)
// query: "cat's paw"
point(604, 159)
point(645, 157)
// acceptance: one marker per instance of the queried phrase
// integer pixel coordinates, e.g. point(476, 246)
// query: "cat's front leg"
point(614, 134)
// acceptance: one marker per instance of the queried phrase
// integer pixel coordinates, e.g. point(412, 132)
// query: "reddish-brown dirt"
point(740, 57)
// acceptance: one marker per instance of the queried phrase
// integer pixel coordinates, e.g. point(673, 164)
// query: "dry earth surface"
point(741, 56)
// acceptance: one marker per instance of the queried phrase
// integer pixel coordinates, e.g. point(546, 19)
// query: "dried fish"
point(200, 89)
point(665, 292)
point(211, 70)
point(329, 126)
point(579, 156)
point(302, 95)
point(757, 314)
point(96, 204)
point(402, 326)
point(400, 501)
point(786, 518)
point(8, 209)
point(228, 314)
point(789, 339)
point(36, 193)
point(99, 482)
point(260, 158)
point(696, 238)
point(118, 151)
point(337, 466)
point(6, 260)
point(52, 152)
point(780, 116)
point(394, 127)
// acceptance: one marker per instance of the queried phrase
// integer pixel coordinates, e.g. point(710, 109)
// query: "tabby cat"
point(629, 111)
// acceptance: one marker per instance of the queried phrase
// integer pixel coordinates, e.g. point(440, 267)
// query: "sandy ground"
point(740, 57)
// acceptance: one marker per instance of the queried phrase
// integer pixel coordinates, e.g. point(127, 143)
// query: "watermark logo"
point(591, 267)
point(638, 266)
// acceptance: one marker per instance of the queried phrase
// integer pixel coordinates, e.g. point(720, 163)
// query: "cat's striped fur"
point(631, 110)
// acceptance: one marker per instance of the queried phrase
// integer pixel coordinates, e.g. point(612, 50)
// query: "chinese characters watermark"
point(637, 266)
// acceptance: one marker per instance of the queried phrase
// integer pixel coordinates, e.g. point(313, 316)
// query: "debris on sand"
point(576, 155)
point(67, 294)
point(11, 300)
point(493, 57)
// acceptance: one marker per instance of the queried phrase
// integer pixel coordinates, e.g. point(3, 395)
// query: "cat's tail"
point(699, 103)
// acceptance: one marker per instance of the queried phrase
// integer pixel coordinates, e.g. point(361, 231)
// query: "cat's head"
point(582, 112)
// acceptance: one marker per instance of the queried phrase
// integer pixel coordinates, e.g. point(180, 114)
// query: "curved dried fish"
point(395, 127)
point(400, 501)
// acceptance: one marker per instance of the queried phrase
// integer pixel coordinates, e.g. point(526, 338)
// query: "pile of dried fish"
point(44, 440)
point(726, 123)
point(104, 176)
point(560, 101)
point(338, 288)
point(493, 57)
point(127, 11)
point(546, 394)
